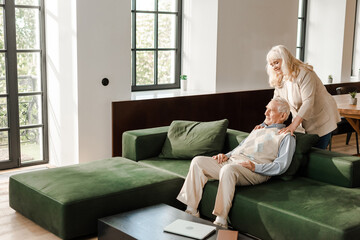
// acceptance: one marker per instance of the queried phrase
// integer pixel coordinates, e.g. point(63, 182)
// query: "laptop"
point(190, 229)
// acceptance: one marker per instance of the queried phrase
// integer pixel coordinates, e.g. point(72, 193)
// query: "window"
point(23, 123)
point(301, 30)
point(156, 27)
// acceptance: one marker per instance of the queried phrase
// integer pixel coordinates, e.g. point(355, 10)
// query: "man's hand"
point(249, 165)
point(291, 128)
point(221, 158)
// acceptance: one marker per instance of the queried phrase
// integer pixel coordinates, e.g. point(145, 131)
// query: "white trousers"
point(229, 174)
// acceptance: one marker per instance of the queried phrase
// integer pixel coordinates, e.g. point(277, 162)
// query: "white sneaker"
point(221, 225)
point(197, 214)
point(222, 222)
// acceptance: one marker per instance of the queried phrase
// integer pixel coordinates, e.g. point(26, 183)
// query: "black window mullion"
point(302, 56)
point(178, 44)
point(353, 71)
point(133, 67)
point(133, 57)
point(160, 12)
point(32, 126)
point(153, 49)
point(27, 6)
point(156, 44)
point(302, 18)
point(11, 63)
point(31, 94)
point(44, 82)
point(29, 51)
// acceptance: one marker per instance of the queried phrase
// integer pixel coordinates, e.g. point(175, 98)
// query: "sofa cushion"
point(179, 167)
point(68, 200)
point(187, 139)
point(297, 209)
point(304, 143)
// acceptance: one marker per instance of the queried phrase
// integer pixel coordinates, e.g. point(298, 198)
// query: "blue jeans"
point(323, 141)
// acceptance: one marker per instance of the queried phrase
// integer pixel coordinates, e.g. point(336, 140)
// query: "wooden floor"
point(14, 226)
point(338, 144)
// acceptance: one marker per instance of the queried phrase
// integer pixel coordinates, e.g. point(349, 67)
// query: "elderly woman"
point(312, 107)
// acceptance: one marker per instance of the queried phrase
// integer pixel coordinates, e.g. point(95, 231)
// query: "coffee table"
point(146, 224)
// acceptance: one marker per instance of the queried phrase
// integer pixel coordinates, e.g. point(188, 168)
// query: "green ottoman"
point(67, 201)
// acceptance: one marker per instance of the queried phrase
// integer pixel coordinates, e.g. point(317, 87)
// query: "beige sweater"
point(311, 101)
point(261, 146)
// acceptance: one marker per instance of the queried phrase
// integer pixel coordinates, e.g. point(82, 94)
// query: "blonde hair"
point(283, 106)
point(290, 66)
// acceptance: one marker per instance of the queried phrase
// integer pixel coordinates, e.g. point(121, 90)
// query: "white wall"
point(86, 41)
point(199, 43)
point(225, 50)
point(62, 81)
point(103, 51)
point(247, 30)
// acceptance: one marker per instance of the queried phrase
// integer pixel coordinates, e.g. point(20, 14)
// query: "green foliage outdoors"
point(145, 60)
point(28, 70)
point(27, 2)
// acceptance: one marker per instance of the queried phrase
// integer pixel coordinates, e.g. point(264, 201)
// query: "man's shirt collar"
point(275, 125)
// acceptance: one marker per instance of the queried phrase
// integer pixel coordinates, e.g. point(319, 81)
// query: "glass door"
point(23, 122)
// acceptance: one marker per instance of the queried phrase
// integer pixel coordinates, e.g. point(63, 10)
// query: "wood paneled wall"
point(243, 110)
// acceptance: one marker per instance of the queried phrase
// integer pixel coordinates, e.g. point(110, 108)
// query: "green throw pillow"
point(187, 139)
point(304, 142)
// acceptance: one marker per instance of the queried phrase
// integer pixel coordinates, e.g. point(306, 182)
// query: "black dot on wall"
point(105, 82)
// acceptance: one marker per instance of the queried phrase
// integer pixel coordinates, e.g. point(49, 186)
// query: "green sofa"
point(323, 202)
point(69, 200)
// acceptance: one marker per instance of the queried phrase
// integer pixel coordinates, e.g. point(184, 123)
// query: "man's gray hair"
point(283, 105)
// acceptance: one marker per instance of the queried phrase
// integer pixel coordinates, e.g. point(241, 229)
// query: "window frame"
point(300, 46)
point(354, 72)
point(156, 49)
point(12, 93)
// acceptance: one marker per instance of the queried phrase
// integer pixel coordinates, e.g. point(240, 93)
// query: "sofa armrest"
point(143, 143)
point(334, 168)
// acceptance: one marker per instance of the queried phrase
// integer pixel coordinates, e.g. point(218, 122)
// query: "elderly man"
point(264, 153)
